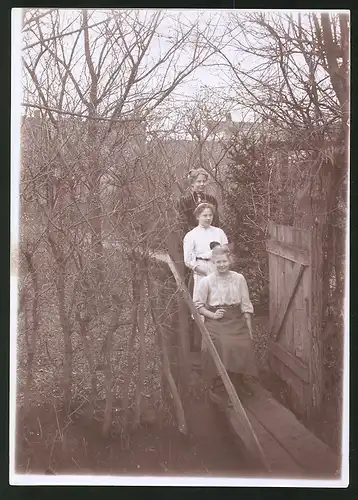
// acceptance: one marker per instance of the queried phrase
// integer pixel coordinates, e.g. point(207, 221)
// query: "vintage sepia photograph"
point(179, 247)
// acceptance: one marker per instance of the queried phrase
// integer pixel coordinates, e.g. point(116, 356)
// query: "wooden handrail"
point(249, 437)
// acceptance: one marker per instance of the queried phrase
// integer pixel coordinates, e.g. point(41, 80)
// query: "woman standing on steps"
point(198, 179)
point(197, 243)
point(223, 299)
point(197, 246)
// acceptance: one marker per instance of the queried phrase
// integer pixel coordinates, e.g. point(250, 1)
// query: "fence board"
point(290, 325)
point(292, 362)
point(295, 393)
point(290, 285)
point(288, 252)
point(307, 332)
point(305, 448)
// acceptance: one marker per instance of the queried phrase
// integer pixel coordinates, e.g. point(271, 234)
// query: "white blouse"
point(215, 290)
point(196, 243)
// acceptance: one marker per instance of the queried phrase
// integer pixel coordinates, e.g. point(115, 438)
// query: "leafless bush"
point(95, 197)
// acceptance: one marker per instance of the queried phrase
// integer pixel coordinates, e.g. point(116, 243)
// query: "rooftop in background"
point(228, 127)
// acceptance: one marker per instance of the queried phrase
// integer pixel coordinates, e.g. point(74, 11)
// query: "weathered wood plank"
point(174, 243)
point(290, 237)
point(295, 392)
point(288, 252)
point(248, 435)
point(295, 334)
point(307, 329)
point(296, 308)
point(281, 462)
point(273, 291)
point(305, 448)
point(293, 229)
point(289, 317)
point(295, 364)
point(281, 285)
point(289, 292)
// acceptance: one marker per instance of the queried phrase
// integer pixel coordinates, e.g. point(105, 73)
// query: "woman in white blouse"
point(196, 243)
point(223, 299)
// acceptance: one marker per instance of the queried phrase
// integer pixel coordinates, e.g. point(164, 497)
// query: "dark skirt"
point(231, 338)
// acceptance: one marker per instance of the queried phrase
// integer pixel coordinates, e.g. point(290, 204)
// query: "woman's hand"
point(247, 317)
point(218, 314)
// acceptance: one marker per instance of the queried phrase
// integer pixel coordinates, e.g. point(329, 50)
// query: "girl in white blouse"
point(223, 299)
point(196, 243)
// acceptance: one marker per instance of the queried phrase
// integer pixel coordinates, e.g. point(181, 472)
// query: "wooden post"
point(311, 214)
point(174, 244)
point(315, 311)
point(154, 298)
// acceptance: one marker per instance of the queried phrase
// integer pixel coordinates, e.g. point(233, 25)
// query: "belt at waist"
point(201, 258)
point(224, 306)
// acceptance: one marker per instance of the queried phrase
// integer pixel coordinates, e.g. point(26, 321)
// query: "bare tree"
point(98, 81)
point(298, 83)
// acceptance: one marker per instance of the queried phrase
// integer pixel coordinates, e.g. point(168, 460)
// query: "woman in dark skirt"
point(223, 299)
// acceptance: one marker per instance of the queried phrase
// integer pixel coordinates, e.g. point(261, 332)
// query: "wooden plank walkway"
point(307, 450)
point(281, 463)
point(290, 448)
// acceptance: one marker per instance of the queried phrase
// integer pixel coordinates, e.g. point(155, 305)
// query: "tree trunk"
point(67, 360)
point(31, 345)
point(142, 360)
point(312, 213)
point(130, 344)
point(83, 324)
point(108, 378)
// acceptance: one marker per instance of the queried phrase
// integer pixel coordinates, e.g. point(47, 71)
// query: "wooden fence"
point(291, 353)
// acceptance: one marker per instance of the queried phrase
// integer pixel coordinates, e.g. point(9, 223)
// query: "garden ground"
point(47, 442)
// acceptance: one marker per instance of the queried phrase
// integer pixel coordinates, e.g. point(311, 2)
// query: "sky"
point(202, 76)
point(213, 77)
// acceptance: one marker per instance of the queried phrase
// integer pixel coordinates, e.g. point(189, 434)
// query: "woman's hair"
point(214, 244)
point(222, 250)
point(201, 207)
point(194, 174)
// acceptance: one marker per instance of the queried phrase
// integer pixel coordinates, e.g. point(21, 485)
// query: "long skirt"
point(232, 340)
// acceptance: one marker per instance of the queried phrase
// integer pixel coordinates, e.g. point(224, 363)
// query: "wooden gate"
point(290, 312)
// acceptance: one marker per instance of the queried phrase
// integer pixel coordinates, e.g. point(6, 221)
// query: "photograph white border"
point(99, 480)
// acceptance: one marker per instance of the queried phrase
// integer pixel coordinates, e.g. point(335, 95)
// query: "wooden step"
point(280, 462)
point(289, 447)
point(307, 450)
